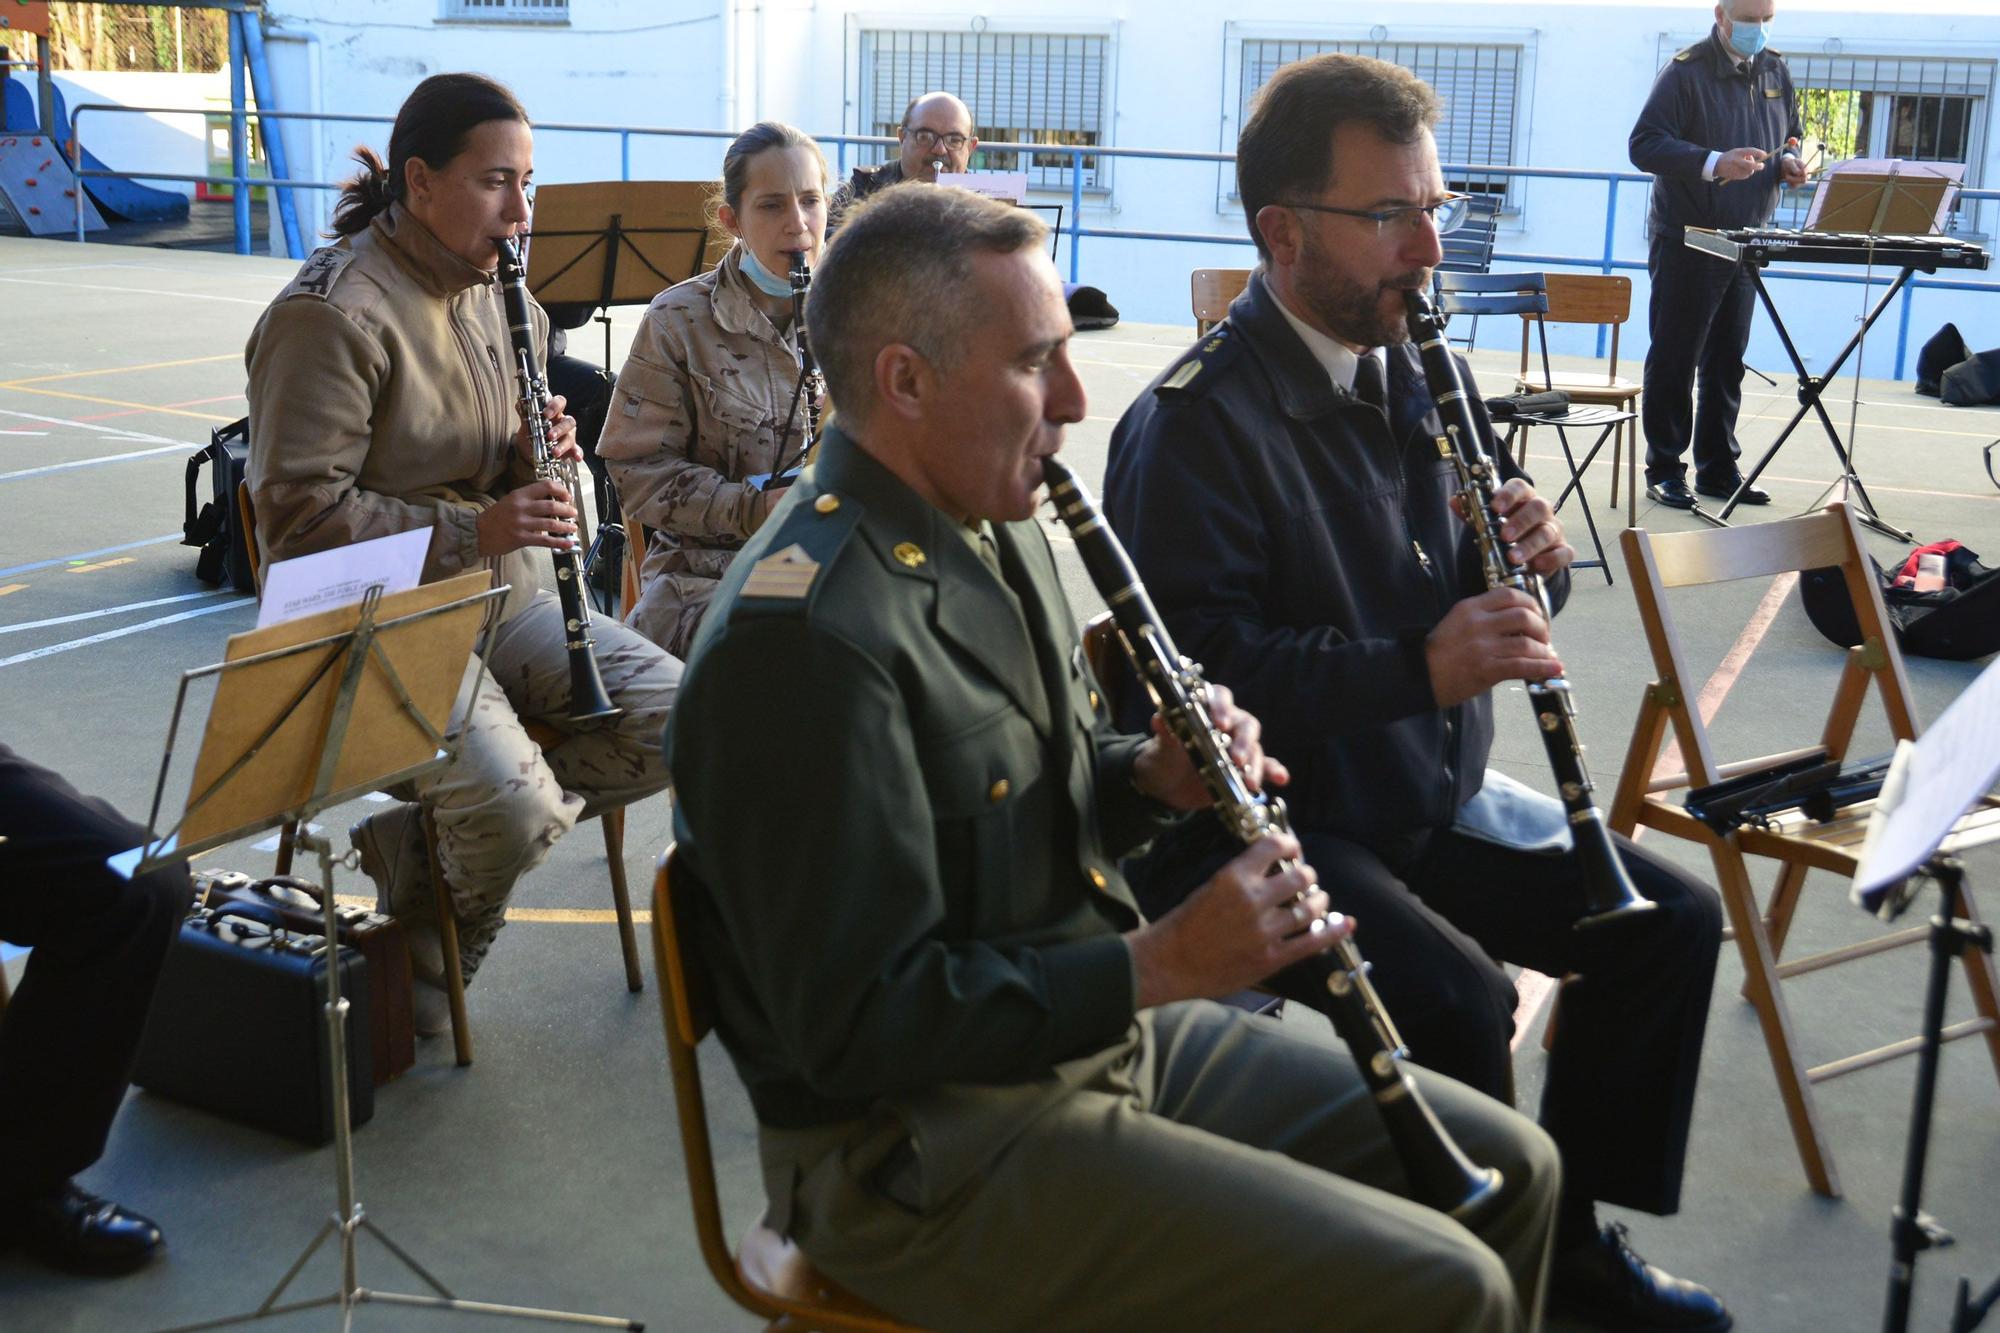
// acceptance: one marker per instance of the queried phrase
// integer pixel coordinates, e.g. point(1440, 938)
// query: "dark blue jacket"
point(1709, 99)
point(1301, 548)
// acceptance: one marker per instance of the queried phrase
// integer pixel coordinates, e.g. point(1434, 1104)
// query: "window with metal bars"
point(1022, 87)
point(1478, 84)
point(1917, 108)
point(508, 11)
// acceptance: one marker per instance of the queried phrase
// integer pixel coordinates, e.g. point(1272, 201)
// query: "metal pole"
point(239, 137)
point(1610, 238)
point(624, 155)
point(1902, 332)
point(274, 136)
point(1075, 210)
point(45, 88)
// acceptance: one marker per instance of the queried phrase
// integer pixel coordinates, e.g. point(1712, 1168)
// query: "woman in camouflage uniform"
point(708, 397)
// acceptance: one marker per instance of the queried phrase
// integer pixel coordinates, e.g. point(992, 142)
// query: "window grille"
point(1918, 108)
point(1478, 84)
point(1022, 88)
point(509, 11)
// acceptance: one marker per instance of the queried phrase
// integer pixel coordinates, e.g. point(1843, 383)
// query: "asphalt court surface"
point(116, 364)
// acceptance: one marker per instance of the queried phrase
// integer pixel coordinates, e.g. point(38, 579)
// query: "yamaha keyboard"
point(1764, 245)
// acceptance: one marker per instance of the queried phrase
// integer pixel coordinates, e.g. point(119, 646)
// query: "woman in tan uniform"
point(382, 399)
point(708, 397)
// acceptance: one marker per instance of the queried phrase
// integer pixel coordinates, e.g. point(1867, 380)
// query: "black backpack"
point(215, 527)
point(1959, 622)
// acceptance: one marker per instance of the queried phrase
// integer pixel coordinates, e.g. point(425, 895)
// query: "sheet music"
point(1955, 763)
point(1011, 186)
point(339, 577)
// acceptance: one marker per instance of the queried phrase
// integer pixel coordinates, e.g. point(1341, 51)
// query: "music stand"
point(308, 714)
point(1913, 833)
point(606, 243)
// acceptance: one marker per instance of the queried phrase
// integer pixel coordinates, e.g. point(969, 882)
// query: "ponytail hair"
point(764, 135)
point(432, 125)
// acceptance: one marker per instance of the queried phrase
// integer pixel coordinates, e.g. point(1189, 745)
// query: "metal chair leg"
point(621, 897)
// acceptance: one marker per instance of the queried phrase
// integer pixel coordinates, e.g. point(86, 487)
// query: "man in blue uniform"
point(1282, 494)
point(1718, 133)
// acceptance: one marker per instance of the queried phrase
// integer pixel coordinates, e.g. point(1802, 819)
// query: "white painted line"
point(54, 648)
point(87, 555)
point(140, 291)
point(94, 462)
point(13, 430)
point(102, 431)
point(110, 611)
point(270, 844)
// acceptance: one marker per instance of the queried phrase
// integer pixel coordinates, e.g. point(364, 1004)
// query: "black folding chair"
point(1526, 295)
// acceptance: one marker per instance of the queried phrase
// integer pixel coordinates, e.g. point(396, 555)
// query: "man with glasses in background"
point(936, 136)
point(1282, 493)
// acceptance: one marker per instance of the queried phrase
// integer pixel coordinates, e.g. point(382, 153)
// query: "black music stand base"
point(1913, 1230)
point(1810, 388)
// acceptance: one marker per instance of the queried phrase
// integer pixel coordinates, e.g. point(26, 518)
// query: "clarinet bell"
point(1609, 894)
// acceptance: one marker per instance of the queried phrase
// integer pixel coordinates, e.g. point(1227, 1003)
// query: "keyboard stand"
point(1810, 388)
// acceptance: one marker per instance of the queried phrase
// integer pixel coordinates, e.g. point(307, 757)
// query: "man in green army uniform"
point(989, 1094)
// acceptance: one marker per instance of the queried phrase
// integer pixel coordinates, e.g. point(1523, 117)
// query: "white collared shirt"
point(1340, 363)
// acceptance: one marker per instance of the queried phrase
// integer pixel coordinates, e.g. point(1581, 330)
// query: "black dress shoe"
point(1673, 493)
point(80, 1233)
point(1603, 1284)
point(1751, 495)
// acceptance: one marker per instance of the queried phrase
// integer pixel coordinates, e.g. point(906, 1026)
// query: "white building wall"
point(1173, 84)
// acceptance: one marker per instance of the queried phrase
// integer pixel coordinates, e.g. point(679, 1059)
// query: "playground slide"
point(120, 198)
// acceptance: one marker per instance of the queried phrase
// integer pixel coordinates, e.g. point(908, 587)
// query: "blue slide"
point(121, 198)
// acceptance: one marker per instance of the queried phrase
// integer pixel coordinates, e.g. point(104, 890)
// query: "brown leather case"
point(380, 939)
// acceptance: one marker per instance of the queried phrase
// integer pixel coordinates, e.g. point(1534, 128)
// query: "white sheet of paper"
point(342, 576)
point(1009, 185)
point(1954, 763)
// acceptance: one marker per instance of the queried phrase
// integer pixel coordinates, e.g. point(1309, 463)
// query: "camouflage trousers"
point(503, 801)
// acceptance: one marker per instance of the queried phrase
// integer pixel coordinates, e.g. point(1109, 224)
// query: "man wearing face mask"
point(1717, 134)
point(936, 136)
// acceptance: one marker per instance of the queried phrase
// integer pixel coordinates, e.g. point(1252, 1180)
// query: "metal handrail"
point(1606, 261)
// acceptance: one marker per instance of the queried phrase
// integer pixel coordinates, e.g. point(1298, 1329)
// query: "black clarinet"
point(813, 386)
point(588, 701)
point(1609, 892)
point(1440, 1173)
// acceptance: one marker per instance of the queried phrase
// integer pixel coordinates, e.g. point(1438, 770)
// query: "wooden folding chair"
point(1600, 299)
point(1526, 295)
point(1694, 559)
point(1210, 290)
point(766, 1275)
point(547, 738)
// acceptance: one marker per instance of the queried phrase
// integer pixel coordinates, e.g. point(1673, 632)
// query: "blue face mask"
point(1748, 38)
point(762, 278)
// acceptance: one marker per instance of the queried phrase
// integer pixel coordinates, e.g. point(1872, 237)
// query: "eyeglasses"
point(1447, 214)
point(931, 139)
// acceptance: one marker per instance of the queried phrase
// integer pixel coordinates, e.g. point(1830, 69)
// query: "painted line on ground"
point(101, 564)
point(98, 461)
point(121, 370)
point(12, 587)
point(106, 611)
point(86, 555)
point(562, 916)
point(115, 402)
point(114, 432)
point(1532, 989)
point(107, 635)
point(140, 291)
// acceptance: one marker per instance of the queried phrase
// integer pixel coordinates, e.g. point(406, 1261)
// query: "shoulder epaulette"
point(1203, 364)
point(1688, 54)
point(805, 545)
point(317, 275)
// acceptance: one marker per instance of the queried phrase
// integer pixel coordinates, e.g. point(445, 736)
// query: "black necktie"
point(1369, 385)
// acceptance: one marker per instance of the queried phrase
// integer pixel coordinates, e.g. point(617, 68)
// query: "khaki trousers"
point(502, 802)
point(1214, 1172)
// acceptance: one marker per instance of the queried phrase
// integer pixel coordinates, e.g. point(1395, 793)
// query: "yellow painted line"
point(563, 916)
point(120, 370)
point(12, 587)
point(118, 402)
point(102, 564)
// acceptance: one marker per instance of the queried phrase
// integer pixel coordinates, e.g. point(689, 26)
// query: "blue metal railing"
point(1606, 261)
